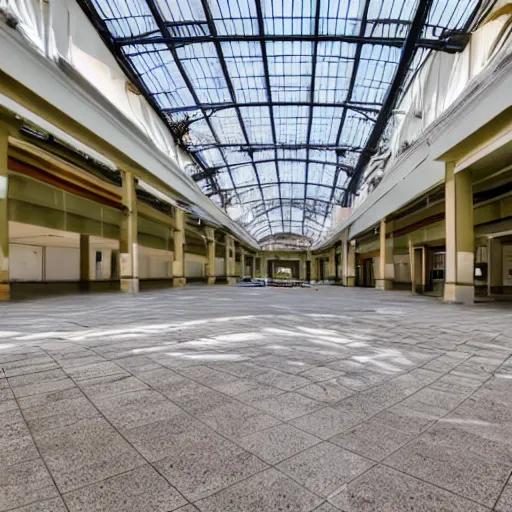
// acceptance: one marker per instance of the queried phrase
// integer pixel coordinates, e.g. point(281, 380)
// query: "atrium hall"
point(255, 255)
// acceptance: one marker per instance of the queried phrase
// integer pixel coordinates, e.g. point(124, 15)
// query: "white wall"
point(62, 264)
point(219, 267)
point(194, 265)
point(507, 265)
point(154, 263)
point(102, 270)
point(402, 268)
point(26, 262)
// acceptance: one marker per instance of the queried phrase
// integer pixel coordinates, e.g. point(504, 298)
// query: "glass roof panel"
point(279, 102)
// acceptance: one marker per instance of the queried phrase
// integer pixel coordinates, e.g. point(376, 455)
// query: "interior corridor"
point(222, 399)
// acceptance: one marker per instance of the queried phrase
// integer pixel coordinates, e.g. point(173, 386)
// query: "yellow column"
point(314, 269)
point(495, 266)
point(412, 267)
point(351, 263)
point(85, 260)
point(229, 259)
point(242, 262)
point(253, 265)
point(128, 246)
point(263, 266)
point(460, 237)
point(386, 263)
point(332, 264)
point(178, 265)
point(210, 254)
point(302, 267)
point(5, 289)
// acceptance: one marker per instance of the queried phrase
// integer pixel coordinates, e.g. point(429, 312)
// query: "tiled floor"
point(255, 400)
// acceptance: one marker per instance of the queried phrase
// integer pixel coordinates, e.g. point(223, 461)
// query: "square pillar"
point(253, 267)
point(128, 246)
point(349, 263)
point(229, 259)
point(494, 266)
point(302, 267)
point(460, 237)
point(314, 269)
point(331, 268)
point(178, 264)
point(386, 262)
point(242, 263)
point(85, 260)
point(263, 266)
point(5, 287)
point(210, 255)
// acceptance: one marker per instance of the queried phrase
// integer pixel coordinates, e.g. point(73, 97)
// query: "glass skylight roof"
point(281, 102)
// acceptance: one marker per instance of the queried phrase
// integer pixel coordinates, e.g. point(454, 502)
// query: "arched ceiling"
point(281, 102)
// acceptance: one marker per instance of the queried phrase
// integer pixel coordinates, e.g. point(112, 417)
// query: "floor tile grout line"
point(235, 443)
point(126, 441)
point(188, 414)
point(396, 403)
point(435, 423)
point(436, 485)
point(382, 461)
point(35, 445)
point(507, 483)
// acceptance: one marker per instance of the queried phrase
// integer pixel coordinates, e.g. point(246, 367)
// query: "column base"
point(211, 280)
point(179, 281)
point(350, 281)
point(130, 285)
point(459, 293)
point(383, 284)
point(231, 280)
point(5, 292)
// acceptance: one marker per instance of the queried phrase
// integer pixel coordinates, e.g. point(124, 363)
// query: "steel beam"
point(407, 55)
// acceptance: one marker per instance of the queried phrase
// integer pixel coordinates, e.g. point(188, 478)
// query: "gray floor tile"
point(237, 386)
point(281, 380)
point(453, 467)
point(139, 490)
point(326, 507)
point(320, 373)
point(25, 483)
point(136, 408)
point(16, 443)
point(52, 505)
point(324, 468)
point(95, 370)
point(207, 376)
point(433, 402)
point(268, 491)
point(236, 420)
point(254, 347)
point(505, 502)
point(288, 406)
point(57, 409)
point(372, 439)
point(102, 387)
point(86, 452)
point(385, 490)
point(400, 417)
point(277, 443)
point(328, 392)
point(205, 465)
point(327, 422)
point(137, 364)
point(259, 392)
point(162, 438)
